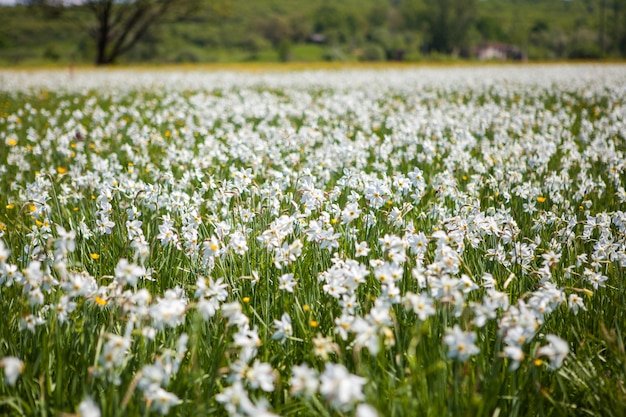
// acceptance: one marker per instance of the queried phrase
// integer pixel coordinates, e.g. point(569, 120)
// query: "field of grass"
point(391, 241)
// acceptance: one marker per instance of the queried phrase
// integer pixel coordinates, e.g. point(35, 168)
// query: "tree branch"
point(149, 18)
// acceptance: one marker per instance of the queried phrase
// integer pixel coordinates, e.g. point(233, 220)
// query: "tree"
point(449, 22)
point(120, 25)
point(276, 29)
point(490, 29)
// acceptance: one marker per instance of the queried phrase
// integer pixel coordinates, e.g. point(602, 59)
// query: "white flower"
point(261, 375)
point(65, 306)
point(235, 400)
point(211, 247)
point(168, 311)
point(556, 350)
point(467, 285)
point(361, 249)
point(104, 225)
point(460, 344)
point(114, 351)
point(595, 278)
point(343, 323)
point(387, 273)
point(152, 375)
point(30, 321)
point(350, 213)
point(9, 274)
point(421, 304)
point(13, 368)
point(4, 252)
point(160, 399)
point(341, 388)
point(248, 340)
point(376, 193)
point(575, 303)
point(323, 346)
point(167, 233)
point(303, 380)
point(127, 273)
point(286, 282)
point(365, 410)
point(88, 408)
point(283, 328)
point(238, 243)
point(66, 241)
point(515, 354)
point(366, 335)
point(207, 287)
point(207, 308)
point(148, 332)
point(232, 311)
point(551, 259)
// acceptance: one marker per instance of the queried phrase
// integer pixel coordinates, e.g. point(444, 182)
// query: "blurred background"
point(65, 32)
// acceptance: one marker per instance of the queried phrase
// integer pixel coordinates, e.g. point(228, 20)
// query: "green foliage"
point(373, 52)
point(448, 22)
point(284, 50)
point(551, 29)
point(491, 29)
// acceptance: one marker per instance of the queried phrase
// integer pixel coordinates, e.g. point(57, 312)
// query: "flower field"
point(358, 242)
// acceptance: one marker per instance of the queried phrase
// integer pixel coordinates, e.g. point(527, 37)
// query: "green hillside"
point(350, 30)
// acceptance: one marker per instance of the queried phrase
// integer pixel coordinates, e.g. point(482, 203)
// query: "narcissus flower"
point(303, 380)
point(341, 388)
point(556, 351)
point(88, 408)
point(460, 344)
point(13, 368)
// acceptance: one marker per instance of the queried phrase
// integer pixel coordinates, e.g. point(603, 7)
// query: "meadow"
point(398, 241)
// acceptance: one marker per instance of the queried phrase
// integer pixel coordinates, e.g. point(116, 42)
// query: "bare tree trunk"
point(602, 27)
point(120, 26)
point(102, 31)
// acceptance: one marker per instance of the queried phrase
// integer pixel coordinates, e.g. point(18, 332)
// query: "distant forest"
point(325, 30)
